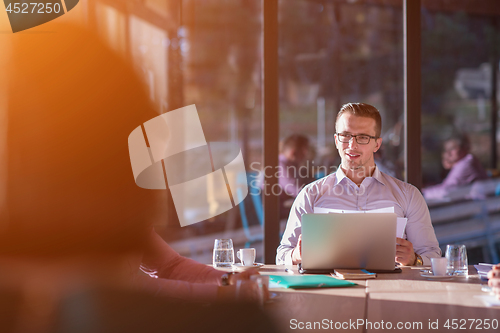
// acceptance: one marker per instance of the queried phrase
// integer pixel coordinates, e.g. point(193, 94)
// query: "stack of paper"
point(483, 269)
point(489, 300)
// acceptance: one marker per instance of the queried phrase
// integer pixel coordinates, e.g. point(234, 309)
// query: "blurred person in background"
point(71, 216)
point(328, 161)
point(294, 171)
point(464, 168)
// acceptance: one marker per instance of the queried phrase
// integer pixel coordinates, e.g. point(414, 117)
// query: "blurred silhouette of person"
point(464, 167)
point(294, 172)
point(71, 215)
point(328, 161)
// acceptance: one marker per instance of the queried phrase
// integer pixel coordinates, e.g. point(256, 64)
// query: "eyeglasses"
point(361, 139)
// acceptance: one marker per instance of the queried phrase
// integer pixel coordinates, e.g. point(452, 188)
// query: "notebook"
point(308, 281)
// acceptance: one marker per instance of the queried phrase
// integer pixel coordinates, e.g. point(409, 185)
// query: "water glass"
point(247, 291)
point(457, 260)
point(262, 282)
point(223, 253)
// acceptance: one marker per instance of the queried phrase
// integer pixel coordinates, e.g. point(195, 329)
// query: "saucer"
point(431, 276)
point(240, 267)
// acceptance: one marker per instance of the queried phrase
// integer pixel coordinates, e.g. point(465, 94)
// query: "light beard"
point(358, 170)
point(351, 165)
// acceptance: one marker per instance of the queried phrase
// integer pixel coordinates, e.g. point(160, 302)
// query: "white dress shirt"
point(336, 191)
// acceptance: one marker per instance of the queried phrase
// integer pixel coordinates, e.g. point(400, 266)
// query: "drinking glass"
point(248, 291)
point(457, 260)
point(262, 286)
point(223, 253)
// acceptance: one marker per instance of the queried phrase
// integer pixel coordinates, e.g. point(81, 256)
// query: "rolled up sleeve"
point(419, 229)
point(301, 205)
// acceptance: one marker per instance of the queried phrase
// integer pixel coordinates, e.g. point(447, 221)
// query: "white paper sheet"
point(321, 210)
point(401, 225)
point(401, 221)
point(489, 300)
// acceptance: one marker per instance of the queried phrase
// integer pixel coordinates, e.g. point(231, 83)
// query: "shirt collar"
point(378, 175)
point(340, 175)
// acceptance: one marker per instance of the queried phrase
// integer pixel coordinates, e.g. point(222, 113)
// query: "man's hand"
point(494, 280)
point(297, 252)
point(404, 252)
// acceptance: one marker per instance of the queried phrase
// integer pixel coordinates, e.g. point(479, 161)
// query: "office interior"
point(260, 70)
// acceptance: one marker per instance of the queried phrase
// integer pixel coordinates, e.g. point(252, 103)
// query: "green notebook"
point(309, 281)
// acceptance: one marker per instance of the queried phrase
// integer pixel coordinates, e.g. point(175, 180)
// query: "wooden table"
point(389, 302)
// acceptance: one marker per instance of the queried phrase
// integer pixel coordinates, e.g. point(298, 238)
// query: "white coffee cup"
point(247, 256)
point(439, 266)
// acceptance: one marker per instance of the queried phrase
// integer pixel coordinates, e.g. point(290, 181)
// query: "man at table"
point(359, 185)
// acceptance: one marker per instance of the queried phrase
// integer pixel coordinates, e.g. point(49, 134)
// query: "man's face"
point(355, 156)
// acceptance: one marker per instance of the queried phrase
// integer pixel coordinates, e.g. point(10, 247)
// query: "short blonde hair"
point(362, 110)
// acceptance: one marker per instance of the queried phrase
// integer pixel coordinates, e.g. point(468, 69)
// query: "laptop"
point(356, 241)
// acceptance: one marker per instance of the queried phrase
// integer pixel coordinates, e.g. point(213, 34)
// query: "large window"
point(459, 127)
point(332, 53)
point(207, 53)
point(220, 43)
point(210, 53)
point(335, 52)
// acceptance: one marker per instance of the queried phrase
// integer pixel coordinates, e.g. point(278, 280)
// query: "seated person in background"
point(328, 161)
point(494, 280)
point(71, 215)
point(294, 173)
point(464, 167)
point(359, 185)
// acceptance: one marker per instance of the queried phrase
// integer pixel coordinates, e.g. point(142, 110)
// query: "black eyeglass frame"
point(356, 138)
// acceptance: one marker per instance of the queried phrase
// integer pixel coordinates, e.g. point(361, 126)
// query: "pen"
point(289, 271)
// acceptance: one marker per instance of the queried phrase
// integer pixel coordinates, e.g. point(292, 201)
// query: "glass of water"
point(247, 291)
point(223, 253)
point(457, 260)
